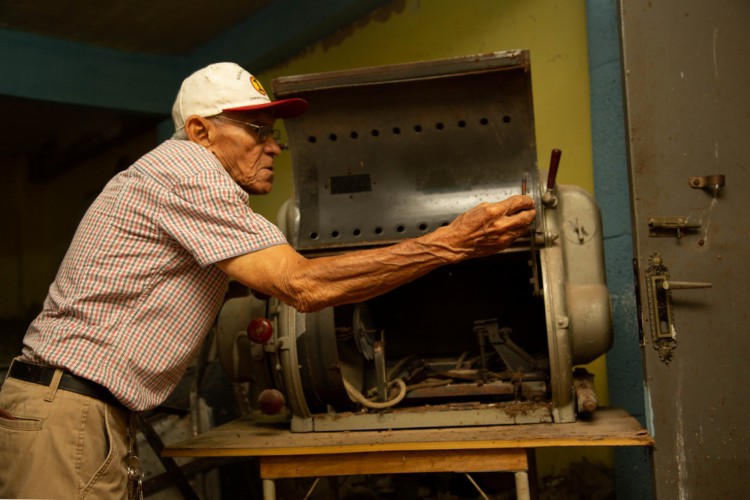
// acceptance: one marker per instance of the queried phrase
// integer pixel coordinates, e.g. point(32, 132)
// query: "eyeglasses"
point(262, 131)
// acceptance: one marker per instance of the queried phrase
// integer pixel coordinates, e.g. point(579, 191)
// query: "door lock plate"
point(659, 293)
point(663, 333)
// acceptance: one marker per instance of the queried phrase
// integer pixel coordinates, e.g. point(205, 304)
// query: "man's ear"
point(200, 130)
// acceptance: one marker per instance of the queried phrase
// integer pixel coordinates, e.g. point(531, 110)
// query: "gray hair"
point(180, 135)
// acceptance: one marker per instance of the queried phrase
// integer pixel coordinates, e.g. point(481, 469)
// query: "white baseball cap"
point(227, 87)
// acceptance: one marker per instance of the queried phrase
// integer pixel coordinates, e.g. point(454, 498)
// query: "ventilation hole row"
point(377, 230)
point(398, 130)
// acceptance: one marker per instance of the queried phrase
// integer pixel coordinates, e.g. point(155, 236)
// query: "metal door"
point(687, 85)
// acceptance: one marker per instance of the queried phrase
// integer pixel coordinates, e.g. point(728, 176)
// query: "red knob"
point(554, 163)
point(270, 401)
point(260, 330)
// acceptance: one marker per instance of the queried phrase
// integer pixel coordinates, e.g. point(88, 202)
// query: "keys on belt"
point(133, 463)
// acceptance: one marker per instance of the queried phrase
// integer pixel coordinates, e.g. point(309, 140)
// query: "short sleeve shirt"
point(137, 290)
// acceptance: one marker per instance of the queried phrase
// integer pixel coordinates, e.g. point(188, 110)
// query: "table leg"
point(333, 487)
point(522, 486)
point(269, 489)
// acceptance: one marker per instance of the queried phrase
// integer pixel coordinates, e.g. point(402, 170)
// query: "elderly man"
point(146, 274)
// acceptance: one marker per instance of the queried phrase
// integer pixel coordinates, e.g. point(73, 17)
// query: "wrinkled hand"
point(491, 227)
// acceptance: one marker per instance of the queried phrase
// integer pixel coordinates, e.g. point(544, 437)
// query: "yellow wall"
point(411, 30)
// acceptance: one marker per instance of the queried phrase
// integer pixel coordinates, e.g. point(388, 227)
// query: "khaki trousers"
point(56, 444)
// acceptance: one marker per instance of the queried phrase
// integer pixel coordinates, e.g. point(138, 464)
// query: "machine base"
point(428, 416)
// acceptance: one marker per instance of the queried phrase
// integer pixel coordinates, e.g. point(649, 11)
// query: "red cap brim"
point(285, 108)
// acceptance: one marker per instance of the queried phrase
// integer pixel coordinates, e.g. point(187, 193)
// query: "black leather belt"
point(42, 375)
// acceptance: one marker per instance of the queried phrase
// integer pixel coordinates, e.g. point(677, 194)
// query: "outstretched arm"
point(312, 284)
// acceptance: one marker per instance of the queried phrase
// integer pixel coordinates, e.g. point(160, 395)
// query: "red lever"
point(260, 330)
point(554, 162)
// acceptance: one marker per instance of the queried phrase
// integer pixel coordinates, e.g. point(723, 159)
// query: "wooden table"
point(505, 448)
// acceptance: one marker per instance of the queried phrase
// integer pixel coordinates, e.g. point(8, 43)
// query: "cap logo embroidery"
point(257, 86)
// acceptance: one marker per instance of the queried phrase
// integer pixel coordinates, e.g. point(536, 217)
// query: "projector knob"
point(270, 401)
point(260, 330)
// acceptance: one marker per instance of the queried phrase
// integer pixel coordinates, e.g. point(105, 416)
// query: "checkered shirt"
point(137, 292)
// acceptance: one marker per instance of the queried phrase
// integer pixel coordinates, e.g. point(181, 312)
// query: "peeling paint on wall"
point(380, 15)
point(649, 411)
